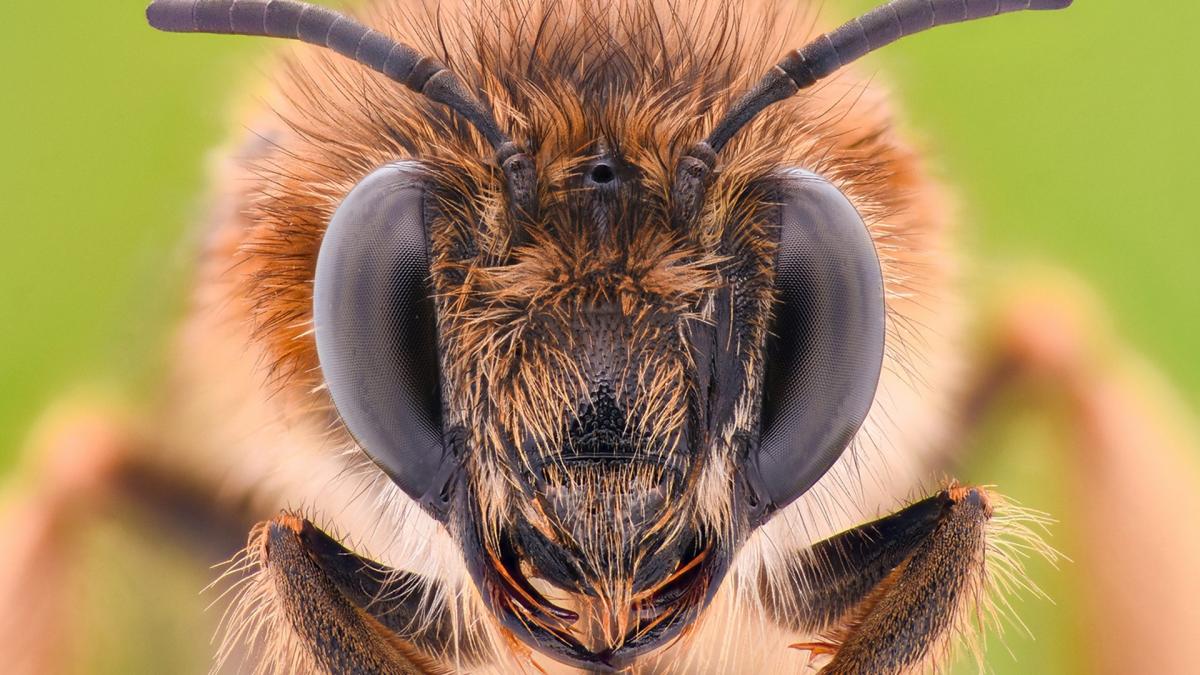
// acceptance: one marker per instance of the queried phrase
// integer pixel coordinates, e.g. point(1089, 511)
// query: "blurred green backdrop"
point(1072, 137)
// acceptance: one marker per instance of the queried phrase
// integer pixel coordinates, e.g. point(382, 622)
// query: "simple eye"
point(601, 173)
point(826, 349)
point(375, 327)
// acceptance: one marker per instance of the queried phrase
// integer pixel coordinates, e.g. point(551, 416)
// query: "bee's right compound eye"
point(826, 350)
point(376, 332)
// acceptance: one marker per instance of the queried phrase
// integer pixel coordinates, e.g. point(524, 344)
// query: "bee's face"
point(580, 368)
point(590, 361)
point(591, 377)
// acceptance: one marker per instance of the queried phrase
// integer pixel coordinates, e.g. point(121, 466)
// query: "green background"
point(1071, 137)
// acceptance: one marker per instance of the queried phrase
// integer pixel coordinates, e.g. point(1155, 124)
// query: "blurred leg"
point(79, 452)
point(1133, 474)
point(86, 462)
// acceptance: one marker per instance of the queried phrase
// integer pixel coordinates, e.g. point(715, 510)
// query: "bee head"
point(603, 354)
point(609, 400)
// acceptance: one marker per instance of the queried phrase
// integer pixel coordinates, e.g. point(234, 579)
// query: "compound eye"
point(826, 351)
point(375, 327)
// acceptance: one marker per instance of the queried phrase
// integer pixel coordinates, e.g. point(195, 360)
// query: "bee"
point(588, 346)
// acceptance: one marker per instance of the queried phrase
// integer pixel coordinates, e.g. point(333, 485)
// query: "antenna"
point(426, 75)
point(820, 58)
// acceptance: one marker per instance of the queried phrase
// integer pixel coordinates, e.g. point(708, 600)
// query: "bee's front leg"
point(333, 611)
point(885, 597)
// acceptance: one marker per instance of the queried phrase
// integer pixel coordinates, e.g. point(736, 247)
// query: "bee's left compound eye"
point(375, 328)
point(826, 350)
